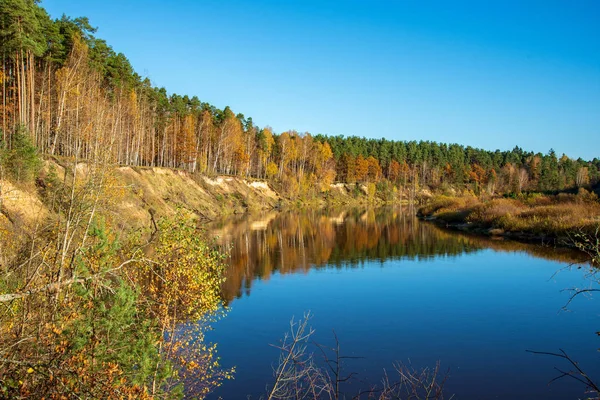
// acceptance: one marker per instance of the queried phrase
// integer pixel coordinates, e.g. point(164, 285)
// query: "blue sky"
point(490, 74)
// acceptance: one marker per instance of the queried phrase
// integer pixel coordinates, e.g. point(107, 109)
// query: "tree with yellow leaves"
point(87, 313)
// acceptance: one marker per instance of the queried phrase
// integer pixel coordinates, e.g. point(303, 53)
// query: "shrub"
point(554, 215)
point(492, 212)
point(586, 196)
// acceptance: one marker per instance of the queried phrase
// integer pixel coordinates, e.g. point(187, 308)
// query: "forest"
point(69, 94)
point(90, 310)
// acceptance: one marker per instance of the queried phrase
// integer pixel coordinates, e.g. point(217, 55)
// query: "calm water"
point(397, 289)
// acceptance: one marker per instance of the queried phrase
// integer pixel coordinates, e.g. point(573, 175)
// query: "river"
point(398, 290)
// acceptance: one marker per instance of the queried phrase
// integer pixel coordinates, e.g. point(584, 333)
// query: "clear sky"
point(490, 74)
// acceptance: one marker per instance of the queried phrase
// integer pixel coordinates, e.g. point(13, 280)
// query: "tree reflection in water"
point(296, 241)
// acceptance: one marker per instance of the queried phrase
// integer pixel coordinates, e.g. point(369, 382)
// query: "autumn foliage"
point(93, 314)
point(72, 95)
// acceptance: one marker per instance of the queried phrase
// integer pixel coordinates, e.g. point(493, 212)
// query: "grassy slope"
point(527, 217)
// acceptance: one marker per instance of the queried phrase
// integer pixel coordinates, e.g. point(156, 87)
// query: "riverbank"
point(152, 191)
point(139, 194)
point(549, 219)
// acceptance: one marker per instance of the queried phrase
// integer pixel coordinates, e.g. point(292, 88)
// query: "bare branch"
point(56, 286)
point(578, 375)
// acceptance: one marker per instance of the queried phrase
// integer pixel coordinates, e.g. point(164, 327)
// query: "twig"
point(586, 379)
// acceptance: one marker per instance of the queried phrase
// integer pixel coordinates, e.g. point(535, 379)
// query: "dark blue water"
point(474, 305)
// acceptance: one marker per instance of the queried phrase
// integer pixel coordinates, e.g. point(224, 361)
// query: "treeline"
point(438, 164)
point(76, 97)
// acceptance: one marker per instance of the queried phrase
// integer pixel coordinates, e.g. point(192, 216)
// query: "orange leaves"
point(394, 171)
point(477, 173)
point(448, 171)
point(374, 169)
point(361, 168)
point(367, 169)
point(241, 159)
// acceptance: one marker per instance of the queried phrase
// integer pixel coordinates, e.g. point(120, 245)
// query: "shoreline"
point(557, 220)
point(495, 232)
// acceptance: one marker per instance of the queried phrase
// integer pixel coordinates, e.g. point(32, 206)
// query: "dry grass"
point(446, 206)
point(554, 215)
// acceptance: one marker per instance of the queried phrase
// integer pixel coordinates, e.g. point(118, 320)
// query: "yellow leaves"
point(181, 283)
point(184, 277)
point(133, 98)
point(327, 178)
point(55, 329)
point(326, 152)
point(269, 140)
point(272, 170)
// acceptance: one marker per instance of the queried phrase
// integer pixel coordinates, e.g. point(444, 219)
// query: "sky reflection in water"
point(393, 289)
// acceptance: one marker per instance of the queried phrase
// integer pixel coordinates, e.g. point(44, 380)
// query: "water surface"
point(397, 289)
